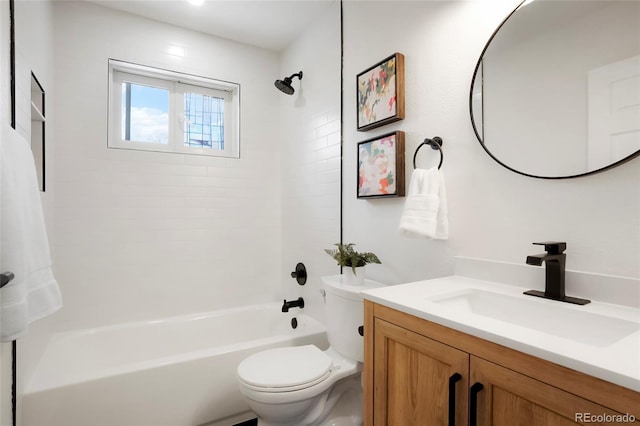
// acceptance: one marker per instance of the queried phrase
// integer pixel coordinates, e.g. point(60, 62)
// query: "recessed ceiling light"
point(196, 2)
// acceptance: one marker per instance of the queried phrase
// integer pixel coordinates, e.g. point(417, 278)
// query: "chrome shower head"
point(285, 85)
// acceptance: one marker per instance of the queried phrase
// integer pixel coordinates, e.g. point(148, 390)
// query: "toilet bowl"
point(305, 386)
point(301, 385)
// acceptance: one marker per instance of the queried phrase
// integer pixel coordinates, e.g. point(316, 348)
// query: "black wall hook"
point(435, 143)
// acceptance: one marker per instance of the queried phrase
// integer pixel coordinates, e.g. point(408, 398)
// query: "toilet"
point(305, 386)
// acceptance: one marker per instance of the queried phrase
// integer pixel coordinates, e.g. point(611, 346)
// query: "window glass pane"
point(145, 113)
point(204, 121)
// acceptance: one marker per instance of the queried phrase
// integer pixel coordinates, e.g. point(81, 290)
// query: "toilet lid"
point(285, 367)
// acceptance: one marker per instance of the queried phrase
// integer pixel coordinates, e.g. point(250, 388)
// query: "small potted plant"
point(353, 261)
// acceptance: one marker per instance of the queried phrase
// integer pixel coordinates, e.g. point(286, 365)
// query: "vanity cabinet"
point(414, 377)
point(418, 373)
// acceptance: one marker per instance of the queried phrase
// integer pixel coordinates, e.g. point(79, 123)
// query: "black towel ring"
point(435, 143)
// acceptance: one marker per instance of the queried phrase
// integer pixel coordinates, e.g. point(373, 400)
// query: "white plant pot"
point(351, 278)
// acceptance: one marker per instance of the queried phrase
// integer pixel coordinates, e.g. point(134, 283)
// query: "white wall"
point(144, 234)
point(34, 53)
point(311, 158)
point(493, 213)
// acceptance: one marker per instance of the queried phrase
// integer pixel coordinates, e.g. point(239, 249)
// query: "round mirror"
point(556, 92)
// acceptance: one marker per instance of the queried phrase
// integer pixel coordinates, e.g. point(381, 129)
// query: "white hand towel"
point(425, 208)
point(24, 247)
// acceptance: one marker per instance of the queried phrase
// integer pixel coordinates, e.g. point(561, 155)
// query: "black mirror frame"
point(475, 129)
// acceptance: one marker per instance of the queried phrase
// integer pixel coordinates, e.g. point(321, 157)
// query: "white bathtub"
point(179, 371)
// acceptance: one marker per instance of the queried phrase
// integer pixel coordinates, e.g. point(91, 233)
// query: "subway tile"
point(330, 127)
point(328, 152)
point(333, 138)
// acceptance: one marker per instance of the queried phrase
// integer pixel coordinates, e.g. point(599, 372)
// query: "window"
point(158, 110)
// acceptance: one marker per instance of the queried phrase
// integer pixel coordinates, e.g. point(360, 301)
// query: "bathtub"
point(179, 371)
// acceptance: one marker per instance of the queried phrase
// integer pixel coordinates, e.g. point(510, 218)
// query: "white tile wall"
point(311, 158)
point(34, 53)
point(145, 234)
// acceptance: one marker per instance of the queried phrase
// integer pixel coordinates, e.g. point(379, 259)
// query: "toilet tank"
point(344, 309)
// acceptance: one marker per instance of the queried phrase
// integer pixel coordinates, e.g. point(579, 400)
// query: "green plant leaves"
point(345, 255)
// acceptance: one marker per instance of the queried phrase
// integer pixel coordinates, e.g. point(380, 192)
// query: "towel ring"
point(435, 143)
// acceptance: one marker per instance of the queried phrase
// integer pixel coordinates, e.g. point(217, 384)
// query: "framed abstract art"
point(381, 166)
point(380, 96)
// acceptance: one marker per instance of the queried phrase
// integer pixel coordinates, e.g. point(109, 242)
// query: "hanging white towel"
point(24, 247)
point(425, 208)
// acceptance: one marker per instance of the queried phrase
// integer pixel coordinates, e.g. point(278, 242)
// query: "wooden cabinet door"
point(509, 398)
point(411, 379)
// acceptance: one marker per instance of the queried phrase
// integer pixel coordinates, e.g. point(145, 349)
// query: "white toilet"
point(304, 386)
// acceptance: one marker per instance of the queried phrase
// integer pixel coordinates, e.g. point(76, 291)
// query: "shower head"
point(285, 85)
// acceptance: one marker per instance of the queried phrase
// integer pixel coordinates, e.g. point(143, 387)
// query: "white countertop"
point(614, 361)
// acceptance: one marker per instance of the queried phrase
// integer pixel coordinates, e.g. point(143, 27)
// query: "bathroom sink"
point(554, 318)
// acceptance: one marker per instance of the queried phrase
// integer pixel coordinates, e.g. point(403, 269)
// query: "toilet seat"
point(285, 369)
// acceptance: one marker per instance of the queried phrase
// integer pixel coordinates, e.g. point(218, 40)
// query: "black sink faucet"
point(555, 261)
point(298, 303)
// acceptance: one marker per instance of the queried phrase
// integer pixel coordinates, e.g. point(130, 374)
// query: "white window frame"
point(177, 84)
point(116, 140)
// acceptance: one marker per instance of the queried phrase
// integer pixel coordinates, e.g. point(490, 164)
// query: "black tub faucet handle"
point(300, 274)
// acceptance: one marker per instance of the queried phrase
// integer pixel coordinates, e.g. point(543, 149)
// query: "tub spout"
point(298, 303)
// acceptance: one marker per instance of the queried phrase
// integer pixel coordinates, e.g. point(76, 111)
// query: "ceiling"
point(270, 24)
